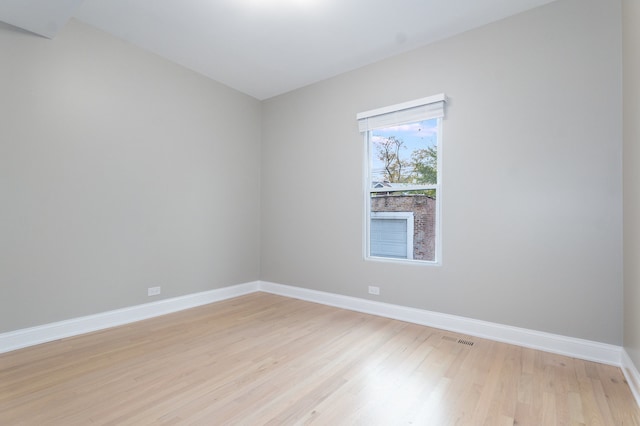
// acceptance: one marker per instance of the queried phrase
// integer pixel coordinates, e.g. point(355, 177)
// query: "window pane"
point(392, 206)
point(405, 154)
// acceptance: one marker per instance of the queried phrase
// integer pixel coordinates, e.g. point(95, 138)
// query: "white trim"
point(631, 374)
point(404, 188)
point(58, 330)
point(439, 192)
point(563, 345)
point(569, 346)
point(399, 107)
point(366, 195)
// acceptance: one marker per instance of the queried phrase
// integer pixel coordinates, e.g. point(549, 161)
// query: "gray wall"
point(532, 182)
point(631, 167)
point(118, 171)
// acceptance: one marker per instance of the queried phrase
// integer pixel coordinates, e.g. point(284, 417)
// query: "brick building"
point(424, 219)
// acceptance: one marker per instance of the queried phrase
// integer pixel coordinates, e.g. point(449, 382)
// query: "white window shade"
point(407, 112)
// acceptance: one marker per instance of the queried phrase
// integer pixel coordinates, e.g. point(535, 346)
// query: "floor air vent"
point(458, 340)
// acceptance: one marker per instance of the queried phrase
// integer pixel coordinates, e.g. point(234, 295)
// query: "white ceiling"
point(268, 47)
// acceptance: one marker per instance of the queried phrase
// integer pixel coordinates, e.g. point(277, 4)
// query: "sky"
point(415, 136)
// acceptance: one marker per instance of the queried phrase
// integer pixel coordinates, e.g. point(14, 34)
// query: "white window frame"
point(408, 218)
point(419, 110)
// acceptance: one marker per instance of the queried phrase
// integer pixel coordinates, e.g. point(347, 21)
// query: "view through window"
point(403, 179)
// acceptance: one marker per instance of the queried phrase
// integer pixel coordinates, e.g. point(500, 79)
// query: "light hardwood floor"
point(265, 359)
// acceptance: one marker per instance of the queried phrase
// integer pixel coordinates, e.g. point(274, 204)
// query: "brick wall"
point(424, 219)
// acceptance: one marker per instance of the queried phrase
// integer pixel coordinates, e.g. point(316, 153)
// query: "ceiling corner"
point(42, 17)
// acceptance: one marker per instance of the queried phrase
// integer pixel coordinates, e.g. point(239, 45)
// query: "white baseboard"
point(569, 346)
point(58, 330)
point(631, 374)
point(573, 347)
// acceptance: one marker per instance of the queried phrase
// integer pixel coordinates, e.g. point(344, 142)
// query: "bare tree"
point(389, 153)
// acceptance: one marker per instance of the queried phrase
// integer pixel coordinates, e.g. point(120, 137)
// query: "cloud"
point(414, 129)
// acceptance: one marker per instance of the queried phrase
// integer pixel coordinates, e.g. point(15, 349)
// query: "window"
point(403, 183)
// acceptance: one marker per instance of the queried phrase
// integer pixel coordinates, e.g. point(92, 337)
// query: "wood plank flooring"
point(263, 359)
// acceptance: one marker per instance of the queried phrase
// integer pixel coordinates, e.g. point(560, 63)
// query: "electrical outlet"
point(153, 291)
point(374, 290)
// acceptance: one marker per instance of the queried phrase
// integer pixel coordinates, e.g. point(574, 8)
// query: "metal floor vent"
point(457, 340)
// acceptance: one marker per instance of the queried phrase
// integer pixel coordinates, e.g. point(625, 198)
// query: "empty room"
point(251, 212)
